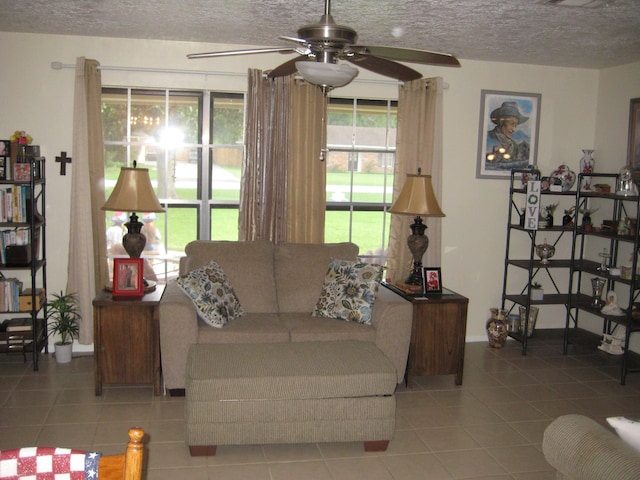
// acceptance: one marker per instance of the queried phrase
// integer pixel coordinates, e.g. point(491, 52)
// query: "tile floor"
point(489, 428)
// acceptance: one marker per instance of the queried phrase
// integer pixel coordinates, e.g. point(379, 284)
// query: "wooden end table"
point(126, 337)
point(437, 334)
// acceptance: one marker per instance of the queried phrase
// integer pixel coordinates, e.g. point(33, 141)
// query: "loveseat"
point(277, 286)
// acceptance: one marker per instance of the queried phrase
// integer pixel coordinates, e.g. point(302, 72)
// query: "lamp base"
point(417, 243)
point(134, 241)
point(415, 277)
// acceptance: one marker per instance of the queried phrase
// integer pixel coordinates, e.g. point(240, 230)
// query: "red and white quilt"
point(43, 463)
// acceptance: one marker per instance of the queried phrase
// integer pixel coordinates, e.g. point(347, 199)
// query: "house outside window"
point(192, 144)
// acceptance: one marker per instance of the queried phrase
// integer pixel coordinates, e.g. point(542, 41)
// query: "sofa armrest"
point(580, 448)
point(392, 317)
point(178, 331)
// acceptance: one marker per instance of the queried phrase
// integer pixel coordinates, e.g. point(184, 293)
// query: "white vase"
point(587, 163)
point(63, 352)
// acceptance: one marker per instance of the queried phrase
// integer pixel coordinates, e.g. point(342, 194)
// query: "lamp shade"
point(417, 198)
point(133, 192)
point(327, 74)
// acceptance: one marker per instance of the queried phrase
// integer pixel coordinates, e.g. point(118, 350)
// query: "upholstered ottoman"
point(306, 392)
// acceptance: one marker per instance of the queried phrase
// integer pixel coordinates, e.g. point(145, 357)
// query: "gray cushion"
point(249, 266)
point(288, 370)
point(250, 328)
point(293, 258)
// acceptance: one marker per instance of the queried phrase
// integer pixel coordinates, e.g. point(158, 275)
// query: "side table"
point(126, 339)
point(437, 335)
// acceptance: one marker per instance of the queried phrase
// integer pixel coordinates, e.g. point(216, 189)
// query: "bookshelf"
point(23, 326)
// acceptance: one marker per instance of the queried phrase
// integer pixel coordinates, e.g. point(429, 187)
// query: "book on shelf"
point(15, 246)
point(17, 325)
point(15, 203)
point(10, 294)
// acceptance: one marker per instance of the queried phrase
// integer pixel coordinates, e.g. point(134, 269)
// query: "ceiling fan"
point(320, 46)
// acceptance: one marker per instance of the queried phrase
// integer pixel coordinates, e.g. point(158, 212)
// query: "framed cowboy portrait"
point(128, 281)
point(508, 133)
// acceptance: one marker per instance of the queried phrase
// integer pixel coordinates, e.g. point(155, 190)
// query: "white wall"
point(580, 109)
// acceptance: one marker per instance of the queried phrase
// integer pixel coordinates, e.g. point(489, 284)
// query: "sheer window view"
point(192, 144)
point(361, 139)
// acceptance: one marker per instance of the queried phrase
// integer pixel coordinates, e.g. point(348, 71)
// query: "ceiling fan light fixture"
point(327, 74)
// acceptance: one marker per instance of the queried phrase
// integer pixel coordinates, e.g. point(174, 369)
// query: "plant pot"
point(63, 352)
point(537, 294)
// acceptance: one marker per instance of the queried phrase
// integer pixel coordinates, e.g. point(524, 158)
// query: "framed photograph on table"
point(432, 280)
point(634, 137)
point(508, 132)
point(128, 280)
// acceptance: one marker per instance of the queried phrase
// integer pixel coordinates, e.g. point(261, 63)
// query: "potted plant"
point(63, 319)
point(537, 293)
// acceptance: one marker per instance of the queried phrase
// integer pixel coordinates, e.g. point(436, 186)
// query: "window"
point(192, 144)
point(195, 170)
point(361, 139)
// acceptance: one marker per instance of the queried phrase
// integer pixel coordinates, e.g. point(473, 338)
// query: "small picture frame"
point(128, 281)
point(5, 148)
point(432, 280)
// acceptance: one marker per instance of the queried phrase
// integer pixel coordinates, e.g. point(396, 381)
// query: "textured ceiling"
point(514, 31)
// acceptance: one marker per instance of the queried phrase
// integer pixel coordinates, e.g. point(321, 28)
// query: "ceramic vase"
point(565, 176)
point(497, 328)
point(587, 164)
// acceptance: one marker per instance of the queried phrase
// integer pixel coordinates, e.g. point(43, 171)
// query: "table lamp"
point(133, 193)
point(417, 198)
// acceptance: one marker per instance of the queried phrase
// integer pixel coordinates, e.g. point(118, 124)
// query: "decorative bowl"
point(545, 251)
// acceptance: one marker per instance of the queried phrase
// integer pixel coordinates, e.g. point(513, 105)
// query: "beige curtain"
point(87, 270)
point(418, 145)
point(282, 195)
point(263, 193)
point(306, 176)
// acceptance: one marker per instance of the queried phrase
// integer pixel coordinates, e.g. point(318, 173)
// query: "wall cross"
point(63, 160)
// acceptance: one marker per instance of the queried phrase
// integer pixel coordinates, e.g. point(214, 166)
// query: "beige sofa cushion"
point(305, 328)
point(249, 266)
point(289, 371)
point(250, 328)
point(292, 259)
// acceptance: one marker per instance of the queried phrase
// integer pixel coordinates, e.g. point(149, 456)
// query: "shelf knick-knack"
point(497, 328)
point(587, 163)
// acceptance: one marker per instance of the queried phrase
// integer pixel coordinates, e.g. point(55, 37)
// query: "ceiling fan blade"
point(301, 41)
point(385, 67)
point(287, 68)
point(250, 51)
point(408, 55)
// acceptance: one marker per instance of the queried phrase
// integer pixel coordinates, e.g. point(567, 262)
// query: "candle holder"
point(597, 284)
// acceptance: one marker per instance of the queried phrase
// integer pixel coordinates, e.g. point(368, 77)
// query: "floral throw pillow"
point(349, 291)
point(212, 294)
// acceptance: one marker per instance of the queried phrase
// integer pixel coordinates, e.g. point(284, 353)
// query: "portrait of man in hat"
point(506, 133)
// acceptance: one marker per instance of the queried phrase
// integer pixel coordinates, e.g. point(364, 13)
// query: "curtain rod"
point(60, 66)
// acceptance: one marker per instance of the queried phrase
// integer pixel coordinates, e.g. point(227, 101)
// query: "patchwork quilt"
point(44, 463)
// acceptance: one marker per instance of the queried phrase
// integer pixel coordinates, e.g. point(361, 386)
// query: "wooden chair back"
point(127, 465)
point(47, 462)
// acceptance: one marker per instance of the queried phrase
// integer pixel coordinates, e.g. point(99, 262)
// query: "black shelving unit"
point(615, 207)
point(31, 259)
point(533, 267)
